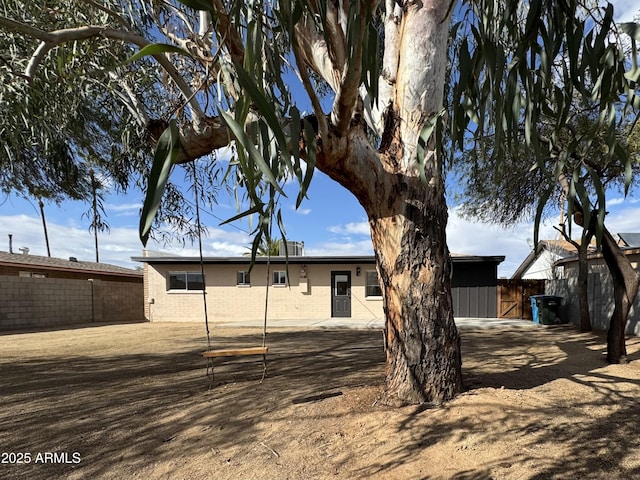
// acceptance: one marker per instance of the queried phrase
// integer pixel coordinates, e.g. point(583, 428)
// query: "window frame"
point(369, 285)
point(245, 281)
point(281, 280)
point(185, 278)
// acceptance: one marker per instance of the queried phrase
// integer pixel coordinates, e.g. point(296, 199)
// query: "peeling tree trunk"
point(422, 342)
point(407, 214)
point(408, 220)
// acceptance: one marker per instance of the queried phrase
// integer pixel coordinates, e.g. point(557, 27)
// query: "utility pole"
point(95, 212)
point(44, 225)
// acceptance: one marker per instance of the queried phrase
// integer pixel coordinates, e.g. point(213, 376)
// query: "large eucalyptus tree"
point(227, 73)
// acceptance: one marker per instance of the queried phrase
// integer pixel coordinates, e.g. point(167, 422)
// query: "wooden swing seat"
point(233, 352)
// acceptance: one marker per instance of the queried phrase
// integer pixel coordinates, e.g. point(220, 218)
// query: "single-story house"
point(600, 290)
point(311, 287)
point(538, 265)
point(37, 291)
point(35, 266)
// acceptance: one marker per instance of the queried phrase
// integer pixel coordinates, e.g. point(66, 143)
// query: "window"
point(372, 288)
point(185, 281)
point(243, 278)
point(279, 278)
point(32, 274)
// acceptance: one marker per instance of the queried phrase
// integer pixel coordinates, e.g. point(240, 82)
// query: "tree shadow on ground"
point(125, 412)
point(594, 447)
point(127, 408)
point(71, 326)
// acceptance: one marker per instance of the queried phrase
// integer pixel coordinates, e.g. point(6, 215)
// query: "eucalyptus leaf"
point(156, 49)
point(164, 158)
point(250, 148)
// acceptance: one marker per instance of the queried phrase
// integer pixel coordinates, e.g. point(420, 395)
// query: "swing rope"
point(204, 283)
point(266, 295)
point(210, 354)
point(266, 308)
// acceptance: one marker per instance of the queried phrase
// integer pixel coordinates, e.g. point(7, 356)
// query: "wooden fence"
point(513, 297)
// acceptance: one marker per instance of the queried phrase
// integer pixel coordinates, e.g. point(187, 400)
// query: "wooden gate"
point(513, 297)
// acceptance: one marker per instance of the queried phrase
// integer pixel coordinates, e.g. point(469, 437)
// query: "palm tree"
point(267, 248)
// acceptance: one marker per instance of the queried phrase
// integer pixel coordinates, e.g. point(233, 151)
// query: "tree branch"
point(347, 95)
point(130, 100)
point(201, 137)
point(375, 114)
point(335, 35)
point(323, 126)
point(117, 17)
point(230, 37)
point(53, 39)
point(314, 53)
point(25, 29)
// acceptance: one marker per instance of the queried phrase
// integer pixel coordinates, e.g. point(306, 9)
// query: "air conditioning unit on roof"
point(294, 249)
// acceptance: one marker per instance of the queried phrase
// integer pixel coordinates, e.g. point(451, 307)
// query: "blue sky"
point(330, 222)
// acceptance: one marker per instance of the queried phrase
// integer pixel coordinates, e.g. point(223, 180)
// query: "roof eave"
point(300, 259)
point(68, 269)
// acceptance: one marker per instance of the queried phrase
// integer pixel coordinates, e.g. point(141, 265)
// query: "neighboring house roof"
point(596, 255)
point(560, 248)
point(59, 264)
point(630, 239)
point(308, 260)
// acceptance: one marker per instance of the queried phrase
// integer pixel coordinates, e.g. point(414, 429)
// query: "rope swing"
point(210, 354)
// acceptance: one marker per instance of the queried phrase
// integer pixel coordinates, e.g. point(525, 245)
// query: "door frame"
point(334, 273)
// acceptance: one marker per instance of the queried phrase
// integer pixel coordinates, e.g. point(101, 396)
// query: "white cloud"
point(115, 247)
point(463, 236)
point(341, 248)
point(302, 211)
point(625, 10)
point(469, 237)
point(352, 228)
point(71, 241)
point(624, 220)
point(123, 209)
point(215, 243)
point(615, 201)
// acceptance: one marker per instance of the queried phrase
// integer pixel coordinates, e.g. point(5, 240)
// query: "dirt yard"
point(133, 402)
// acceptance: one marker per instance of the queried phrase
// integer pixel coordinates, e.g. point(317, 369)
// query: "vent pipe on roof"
point(73, 259)
point(10, 243)
point(24, 250)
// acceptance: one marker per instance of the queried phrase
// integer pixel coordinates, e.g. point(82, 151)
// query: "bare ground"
point(133, 402)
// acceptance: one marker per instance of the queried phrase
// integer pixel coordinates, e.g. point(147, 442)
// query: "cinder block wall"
point(43, 302)
point(118, 302)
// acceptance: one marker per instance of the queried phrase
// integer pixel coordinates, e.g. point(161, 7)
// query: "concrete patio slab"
point(371, 323)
